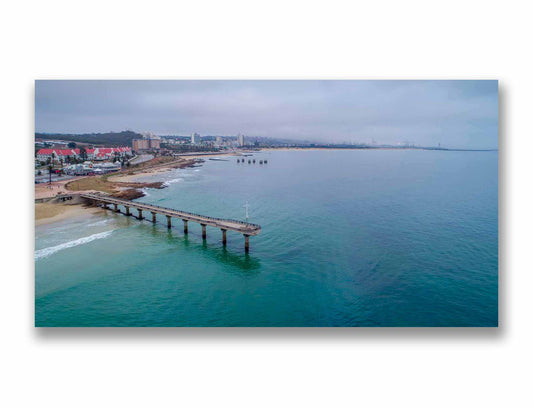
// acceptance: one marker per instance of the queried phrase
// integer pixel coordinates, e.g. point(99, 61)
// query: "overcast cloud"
point(461, 114)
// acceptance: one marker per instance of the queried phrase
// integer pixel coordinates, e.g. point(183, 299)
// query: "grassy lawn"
point(91, 183)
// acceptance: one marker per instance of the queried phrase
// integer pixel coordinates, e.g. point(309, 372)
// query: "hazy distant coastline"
point(338, 147)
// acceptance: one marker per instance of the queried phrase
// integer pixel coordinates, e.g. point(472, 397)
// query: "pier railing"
point(246, 228)
point(196, 214)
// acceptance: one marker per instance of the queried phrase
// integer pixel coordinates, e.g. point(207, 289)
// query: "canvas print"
point(266, 203)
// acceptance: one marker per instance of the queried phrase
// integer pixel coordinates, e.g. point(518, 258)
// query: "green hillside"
point(109, 139)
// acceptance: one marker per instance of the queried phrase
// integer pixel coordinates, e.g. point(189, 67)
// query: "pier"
point(245, 228)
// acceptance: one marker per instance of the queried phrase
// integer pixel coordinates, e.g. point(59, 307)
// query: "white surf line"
point(51, 250)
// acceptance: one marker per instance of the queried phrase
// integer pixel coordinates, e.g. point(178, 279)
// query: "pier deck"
point(247, 229)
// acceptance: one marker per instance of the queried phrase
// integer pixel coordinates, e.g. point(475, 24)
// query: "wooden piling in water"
point(245, 228)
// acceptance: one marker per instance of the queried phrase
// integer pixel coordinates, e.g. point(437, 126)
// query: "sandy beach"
point(181, 162)
point(46, 213)
point(137, 174)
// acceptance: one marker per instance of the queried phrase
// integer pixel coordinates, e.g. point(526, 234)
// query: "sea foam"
point(172, 181)
point(51, 250)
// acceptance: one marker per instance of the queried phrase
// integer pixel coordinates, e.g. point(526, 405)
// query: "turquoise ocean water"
point(349, 238)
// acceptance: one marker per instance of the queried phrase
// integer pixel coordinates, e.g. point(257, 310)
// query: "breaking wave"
point(172, 181)
point(51, 250)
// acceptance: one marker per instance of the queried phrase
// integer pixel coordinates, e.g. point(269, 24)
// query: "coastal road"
point(141, 158)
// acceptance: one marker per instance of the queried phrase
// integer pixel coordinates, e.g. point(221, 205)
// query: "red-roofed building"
point(44, 153)
point(105, 153)
point(92, 153)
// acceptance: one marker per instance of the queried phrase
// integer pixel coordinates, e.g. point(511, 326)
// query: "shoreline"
point(48, 213)
point(186, 162)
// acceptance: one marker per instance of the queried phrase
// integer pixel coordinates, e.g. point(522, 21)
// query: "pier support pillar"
point(246, 243)
point(153, 217)
point(224, 237)
point(116, 207)
point(204, 234)
point(105, 205)
point(169, 221)
point(128, 211)
point(140, 214)
point(185, 226)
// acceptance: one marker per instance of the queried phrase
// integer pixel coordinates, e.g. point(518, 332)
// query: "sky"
point(456, 114)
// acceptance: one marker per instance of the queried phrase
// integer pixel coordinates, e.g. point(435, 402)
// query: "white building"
point(56, 154)
point(195, 138)
point(240, 140)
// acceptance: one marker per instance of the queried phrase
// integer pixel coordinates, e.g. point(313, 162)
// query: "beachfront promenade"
point(247, 229)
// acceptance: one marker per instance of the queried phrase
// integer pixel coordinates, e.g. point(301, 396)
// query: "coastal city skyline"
point(454, 114)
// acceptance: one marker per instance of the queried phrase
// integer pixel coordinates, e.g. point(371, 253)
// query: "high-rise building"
point(195, 138)
point(140, 144)
point(155, 144)
point(240, 140)
point(218, 140)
